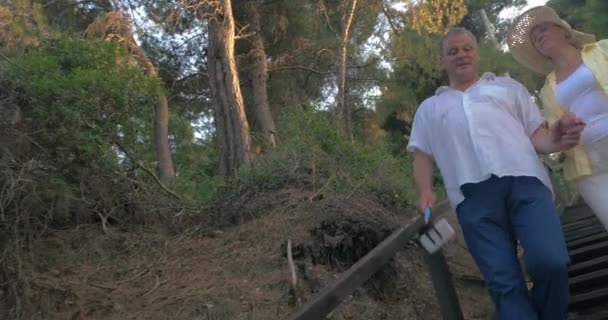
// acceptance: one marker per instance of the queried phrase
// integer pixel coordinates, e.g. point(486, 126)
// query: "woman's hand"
point(568, 130)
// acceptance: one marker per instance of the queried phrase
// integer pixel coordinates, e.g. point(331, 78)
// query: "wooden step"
point(591, 314)
point(579, 224)
point(587, 243)
point(571, 215)
point(577, 219)
point(589, 252)
point(582, 233)
point(595, 224)
point(587, 240)
point(589, 299)
point(589, 281)
point(588, 266)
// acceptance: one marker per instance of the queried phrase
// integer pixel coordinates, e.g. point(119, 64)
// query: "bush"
point(69, 108)
point(197, 181)
point(312, 155)
point(72, 102)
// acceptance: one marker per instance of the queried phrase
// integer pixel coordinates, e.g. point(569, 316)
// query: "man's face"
point(548, 37)
point(460, 56)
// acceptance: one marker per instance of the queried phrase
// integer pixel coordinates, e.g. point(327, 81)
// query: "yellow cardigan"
point(595, 55)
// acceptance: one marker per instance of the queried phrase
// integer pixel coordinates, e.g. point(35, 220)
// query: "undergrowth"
point(70, 153)
point(76, 148)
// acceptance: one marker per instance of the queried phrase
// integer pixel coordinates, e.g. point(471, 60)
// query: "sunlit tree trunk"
point(232, 128)
point(344, 108)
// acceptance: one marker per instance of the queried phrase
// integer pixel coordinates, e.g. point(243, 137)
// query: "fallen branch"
point(292, 268)
point(355, 189)
point(156, 285)
point(297, 67)
point(147, 170)
point(134, 277)
point(13, 62)
point(104, 222)
point(292, 271)
point(332, 177)
point(100, 286)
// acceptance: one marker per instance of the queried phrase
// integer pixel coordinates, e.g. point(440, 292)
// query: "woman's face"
point(548, 37)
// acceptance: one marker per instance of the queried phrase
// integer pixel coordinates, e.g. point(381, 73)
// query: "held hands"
point(567, 132)
point(426, 200)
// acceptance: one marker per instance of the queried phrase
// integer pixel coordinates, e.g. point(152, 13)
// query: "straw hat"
point(521, 45)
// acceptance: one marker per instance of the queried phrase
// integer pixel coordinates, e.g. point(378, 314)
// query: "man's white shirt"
point(480, 132)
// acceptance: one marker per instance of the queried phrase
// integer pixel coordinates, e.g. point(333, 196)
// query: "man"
point(484, 133)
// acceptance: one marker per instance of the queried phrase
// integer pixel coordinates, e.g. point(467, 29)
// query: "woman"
point(576, 67)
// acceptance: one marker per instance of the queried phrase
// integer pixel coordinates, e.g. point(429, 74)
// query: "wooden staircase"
point(587, 242)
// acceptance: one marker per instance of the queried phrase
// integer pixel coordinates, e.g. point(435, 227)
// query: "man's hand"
point(568, 130)
point(564, 135)
point(426, 200)
point(423, 172)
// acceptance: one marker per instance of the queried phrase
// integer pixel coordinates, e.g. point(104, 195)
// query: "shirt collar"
point(486, 76)
point(589, 46)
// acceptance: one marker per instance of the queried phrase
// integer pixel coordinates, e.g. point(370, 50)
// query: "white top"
point(482, 131)
point(581, 94)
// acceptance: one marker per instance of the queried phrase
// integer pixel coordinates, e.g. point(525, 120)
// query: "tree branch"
point(146, 169)
point(243, 36)
point(390, 20)
point(298, 67)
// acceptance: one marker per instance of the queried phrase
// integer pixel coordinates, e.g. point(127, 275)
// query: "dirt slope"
point(240, 272)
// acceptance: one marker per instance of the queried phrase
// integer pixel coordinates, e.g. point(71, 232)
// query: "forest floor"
point(240, 272)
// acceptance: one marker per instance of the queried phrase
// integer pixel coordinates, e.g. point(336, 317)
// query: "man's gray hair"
point(455, 31)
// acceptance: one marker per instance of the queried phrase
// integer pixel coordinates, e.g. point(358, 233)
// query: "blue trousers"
point(495, 214)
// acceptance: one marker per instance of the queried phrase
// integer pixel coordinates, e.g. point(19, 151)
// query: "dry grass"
point(240, 273)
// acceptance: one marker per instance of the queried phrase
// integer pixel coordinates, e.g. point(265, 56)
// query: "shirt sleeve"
point(528, 111)
point(419, 137)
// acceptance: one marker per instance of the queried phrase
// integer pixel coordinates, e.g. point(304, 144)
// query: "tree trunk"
point(345, 114)
point(489, 28)
point(232, 129)
point(163, 149)
point(116, 24)
point(259, 75)
point(161, 124)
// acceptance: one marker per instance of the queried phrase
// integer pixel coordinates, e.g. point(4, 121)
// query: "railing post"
point(444, 286)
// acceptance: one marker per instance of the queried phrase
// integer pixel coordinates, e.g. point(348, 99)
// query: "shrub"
point(311, 154)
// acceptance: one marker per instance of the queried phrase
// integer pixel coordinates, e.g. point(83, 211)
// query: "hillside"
point(156, 156)
point(152, 272)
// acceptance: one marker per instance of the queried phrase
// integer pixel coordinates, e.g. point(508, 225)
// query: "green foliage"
point(83, 97)
point(416, 74)
point(69, 108)
point(197, 180)
point(313, 156)
point(21, 21)
point(597, 19)
point(499, 62)
point(584, 15)
point(302, 42)
point(474, 22)
point(436, 16)
point(68, 15)
point(76, 99)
